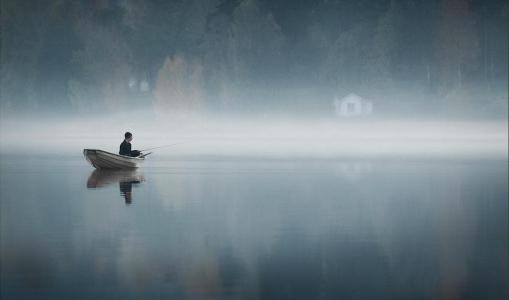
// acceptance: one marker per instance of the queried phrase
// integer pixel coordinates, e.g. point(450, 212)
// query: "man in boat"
point(125, 147)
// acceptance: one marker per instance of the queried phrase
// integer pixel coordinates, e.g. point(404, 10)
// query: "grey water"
point(254, 229)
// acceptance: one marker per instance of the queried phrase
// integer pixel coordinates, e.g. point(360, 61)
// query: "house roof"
point(349, 97)
point(352, 96)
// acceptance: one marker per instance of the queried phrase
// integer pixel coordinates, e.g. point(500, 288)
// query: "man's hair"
point(128, 135)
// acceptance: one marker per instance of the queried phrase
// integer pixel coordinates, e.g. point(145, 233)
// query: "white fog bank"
point(277, 139)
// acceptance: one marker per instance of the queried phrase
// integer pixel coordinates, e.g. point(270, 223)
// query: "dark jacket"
point(125, 149)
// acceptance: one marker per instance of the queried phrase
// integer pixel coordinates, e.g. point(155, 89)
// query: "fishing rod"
point(159, 147)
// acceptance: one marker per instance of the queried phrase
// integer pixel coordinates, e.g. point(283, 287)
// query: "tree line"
point(194, 55)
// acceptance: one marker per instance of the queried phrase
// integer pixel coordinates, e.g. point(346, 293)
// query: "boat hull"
point(100, 159)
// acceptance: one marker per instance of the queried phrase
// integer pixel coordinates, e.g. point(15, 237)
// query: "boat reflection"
point(125, 179)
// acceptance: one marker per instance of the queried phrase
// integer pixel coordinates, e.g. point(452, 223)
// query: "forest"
point(412, 58)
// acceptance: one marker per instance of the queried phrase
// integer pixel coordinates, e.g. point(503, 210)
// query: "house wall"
point(353, 107)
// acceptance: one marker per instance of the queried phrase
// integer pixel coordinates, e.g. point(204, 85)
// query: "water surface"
point(254, 229)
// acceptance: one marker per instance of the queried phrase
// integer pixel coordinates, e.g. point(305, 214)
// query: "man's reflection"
point(126, 190)
point(125, 179)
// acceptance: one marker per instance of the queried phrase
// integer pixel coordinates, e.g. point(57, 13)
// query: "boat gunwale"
point(117, 156)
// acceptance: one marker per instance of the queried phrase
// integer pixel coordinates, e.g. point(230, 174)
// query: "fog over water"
point(270, 138)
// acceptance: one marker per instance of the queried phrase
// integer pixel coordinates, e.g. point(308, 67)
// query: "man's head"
point(128, 136)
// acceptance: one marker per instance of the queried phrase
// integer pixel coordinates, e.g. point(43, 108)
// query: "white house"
point(352, 105)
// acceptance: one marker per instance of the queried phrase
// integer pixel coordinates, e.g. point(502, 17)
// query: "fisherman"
point(125, 147)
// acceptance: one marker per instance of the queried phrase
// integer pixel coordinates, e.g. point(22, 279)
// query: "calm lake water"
point(247, 229)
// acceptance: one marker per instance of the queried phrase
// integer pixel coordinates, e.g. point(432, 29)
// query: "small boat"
point(105, 160)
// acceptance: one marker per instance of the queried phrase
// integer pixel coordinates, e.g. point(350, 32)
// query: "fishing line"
point(160, 147)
